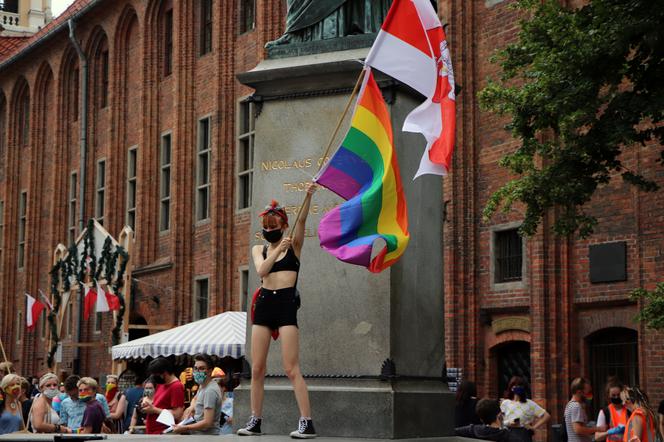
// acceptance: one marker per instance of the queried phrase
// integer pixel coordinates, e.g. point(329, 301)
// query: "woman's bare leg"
point(290, 352)
point(260, 344)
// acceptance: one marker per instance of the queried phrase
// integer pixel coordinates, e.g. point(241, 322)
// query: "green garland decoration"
point(74, 268)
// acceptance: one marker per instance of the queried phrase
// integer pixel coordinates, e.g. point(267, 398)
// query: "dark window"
point(203, 171)
point(202, 299)
point(168, 42)
point(101, 192)
point(73, 93)
point(245, 155)
point(103, 85)
point(206, 27)
point(244, 289)
point(132, 161)
point(9, 6)
point(73, 188)
point(613, 352)
point(508, 254)
point(22, 223)
point(24, 119)
point(247, 15)
point(165, 183)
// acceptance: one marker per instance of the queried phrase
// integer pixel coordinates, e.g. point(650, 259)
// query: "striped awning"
point(220, 335)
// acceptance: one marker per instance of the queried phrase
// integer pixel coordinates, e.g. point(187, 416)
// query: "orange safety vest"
point(617, 417)
point(647, 427)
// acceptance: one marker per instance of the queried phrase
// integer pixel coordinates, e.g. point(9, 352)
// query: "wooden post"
point(59, 253)
point(126, 241)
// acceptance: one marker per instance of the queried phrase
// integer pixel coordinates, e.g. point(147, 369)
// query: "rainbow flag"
point(364, 171)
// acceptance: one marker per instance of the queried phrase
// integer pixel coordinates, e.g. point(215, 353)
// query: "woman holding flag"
point(275, 312)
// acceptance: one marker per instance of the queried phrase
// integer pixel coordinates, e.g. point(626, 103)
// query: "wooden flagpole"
point(332, 138)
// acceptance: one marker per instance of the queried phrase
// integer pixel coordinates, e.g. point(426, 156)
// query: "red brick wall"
point(557, 296)
point(142, 105)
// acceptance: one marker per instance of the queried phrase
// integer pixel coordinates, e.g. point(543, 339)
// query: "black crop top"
point(288, 262)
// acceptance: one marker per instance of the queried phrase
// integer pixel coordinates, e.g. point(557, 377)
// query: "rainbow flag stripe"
point(364, 171)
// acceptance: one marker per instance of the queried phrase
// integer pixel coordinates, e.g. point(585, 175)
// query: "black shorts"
point(276, 308)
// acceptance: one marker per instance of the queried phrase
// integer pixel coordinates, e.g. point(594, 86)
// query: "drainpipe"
point(83, 62)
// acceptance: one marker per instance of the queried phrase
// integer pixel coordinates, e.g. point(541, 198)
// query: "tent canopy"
point(220, 335)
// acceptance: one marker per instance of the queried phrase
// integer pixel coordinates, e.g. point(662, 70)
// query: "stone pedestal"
point(351, 320)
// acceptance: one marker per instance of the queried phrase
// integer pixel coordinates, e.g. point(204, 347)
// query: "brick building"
point(546, 307)
point(162, 146)
point(170, 153)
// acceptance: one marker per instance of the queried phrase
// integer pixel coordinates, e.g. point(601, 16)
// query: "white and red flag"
point(411, 47)
point(33, 311)
point(106, 301)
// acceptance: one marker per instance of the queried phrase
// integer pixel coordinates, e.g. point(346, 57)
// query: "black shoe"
point(305, 430)
point(253, 427)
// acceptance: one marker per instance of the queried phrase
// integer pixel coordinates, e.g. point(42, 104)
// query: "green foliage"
point(652, 312)
point(580, 86)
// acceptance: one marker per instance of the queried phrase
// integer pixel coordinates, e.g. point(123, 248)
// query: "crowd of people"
point(627, 417)
point(155, 405)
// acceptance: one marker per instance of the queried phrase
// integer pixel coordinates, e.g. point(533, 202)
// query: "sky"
point(59, 6)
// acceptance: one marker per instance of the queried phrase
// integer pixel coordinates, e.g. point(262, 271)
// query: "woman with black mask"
point(275, 312)
point(522, 415)
point(612, 419)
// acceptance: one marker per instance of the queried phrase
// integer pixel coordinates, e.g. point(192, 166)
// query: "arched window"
point(513, 359)
point(166, 33)
point(23, 116)
point(3, 133)
point(102, 73)
point(612, 352)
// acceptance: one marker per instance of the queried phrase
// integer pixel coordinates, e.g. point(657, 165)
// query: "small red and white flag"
point(89, 301)
point(106, 301)
point(33, 311)
point(411, 47)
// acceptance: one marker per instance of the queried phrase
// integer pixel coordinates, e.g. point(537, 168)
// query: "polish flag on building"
point(411, 47)
point(106, 301)
point(33, 311)
point(89, 301)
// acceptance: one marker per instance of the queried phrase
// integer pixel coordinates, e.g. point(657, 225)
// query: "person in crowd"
point(26, 401)
point(169, 395)
point(466, 401)
point(522, 415)
point(275, 313)
point(137, 424)
point(72, 409)
point(43, 418)
point(226, 385)
point(612, 419)
point(206, 405)
point(126, 404)
point(34, 388)
point(94, 414)
point(642, 423)
point(491, 428)
point(576, 419)
point(11, 419)
point(112, 392)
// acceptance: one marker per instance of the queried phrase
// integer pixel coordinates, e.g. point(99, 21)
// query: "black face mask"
point(616, 401)
point(272, 236)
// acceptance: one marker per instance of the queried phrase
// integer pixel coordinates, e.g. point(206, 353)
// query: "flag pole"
point(4, 355)
point(332, 138)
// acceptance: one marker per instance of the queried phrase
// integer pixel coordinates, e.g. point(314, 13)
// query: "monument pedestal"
point(351, 321)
